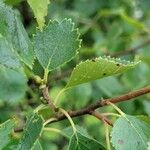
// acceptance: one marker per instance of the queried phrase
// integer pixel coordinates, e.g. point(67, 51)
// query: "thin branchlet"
point(91, 108)
point(104, 102)
point(48, 99)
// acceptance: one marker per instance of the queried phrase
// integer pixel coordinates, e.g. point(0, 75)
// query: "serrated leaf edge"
point(39, 134)
point(107, 58)
point(134, 130)
point(73, 29)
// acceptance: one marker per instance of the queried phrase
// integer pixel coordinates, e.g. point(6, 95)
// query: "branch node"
point(105, 102)
point(44, 89)
point(99, 116)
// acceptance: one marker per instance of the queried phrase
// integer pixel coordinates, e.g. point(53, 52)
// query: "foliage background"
point(107, 28)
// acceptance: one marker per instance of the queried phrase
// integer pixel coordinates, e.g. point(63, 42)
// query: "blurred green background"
point(107, 27)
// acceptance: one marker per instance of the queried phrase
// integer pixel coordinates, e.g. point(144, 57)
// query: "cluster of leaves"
point(26, 62)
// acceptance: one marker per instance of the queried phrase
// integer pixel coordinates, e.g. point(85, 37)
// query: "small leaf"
point(8, 58)
point(130, 134)
point(98, 68)
point(12, 28)
point(13, 85)
point(40, 9)
point(82, 142)
point(5, 130)
point(56, 44)
point(31, 132)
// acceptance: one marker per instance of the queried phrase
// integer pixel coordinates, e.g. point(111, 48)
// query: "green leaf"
point(31, 132)
point(8, 58)
point(56, 44)
point(40, 9)
point(12, 28)
point(5, 130)
point(13, 85)
point(98, 68)
point(79, 141)
point(23, 44)
point(130, 134)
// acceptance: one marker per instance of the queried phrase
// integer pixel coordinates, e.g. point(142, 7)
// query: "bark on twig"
point(101, 103)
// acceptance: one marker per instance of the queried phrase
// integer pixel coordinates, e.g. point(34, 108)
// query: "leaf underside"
point(56, 44)
point(98, 68)
point(12, 29)
point(130, 133)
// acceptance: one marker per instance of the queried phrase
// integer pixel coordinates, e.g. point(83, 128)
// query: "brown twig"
point(101, 117)
point(48, 99)
point(130, 50)
point(101, 103)
point(93, 107)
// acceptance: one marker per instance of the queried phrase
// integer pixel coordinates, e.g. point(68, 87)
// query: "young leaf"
point(130, 133)
point(79, 141)
point(12, 28)
point(56, 44)
point(31, 132)
point(96, 69)
point(5, 131)
point(8, 58)
point(40, 9)
point(13, 84)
